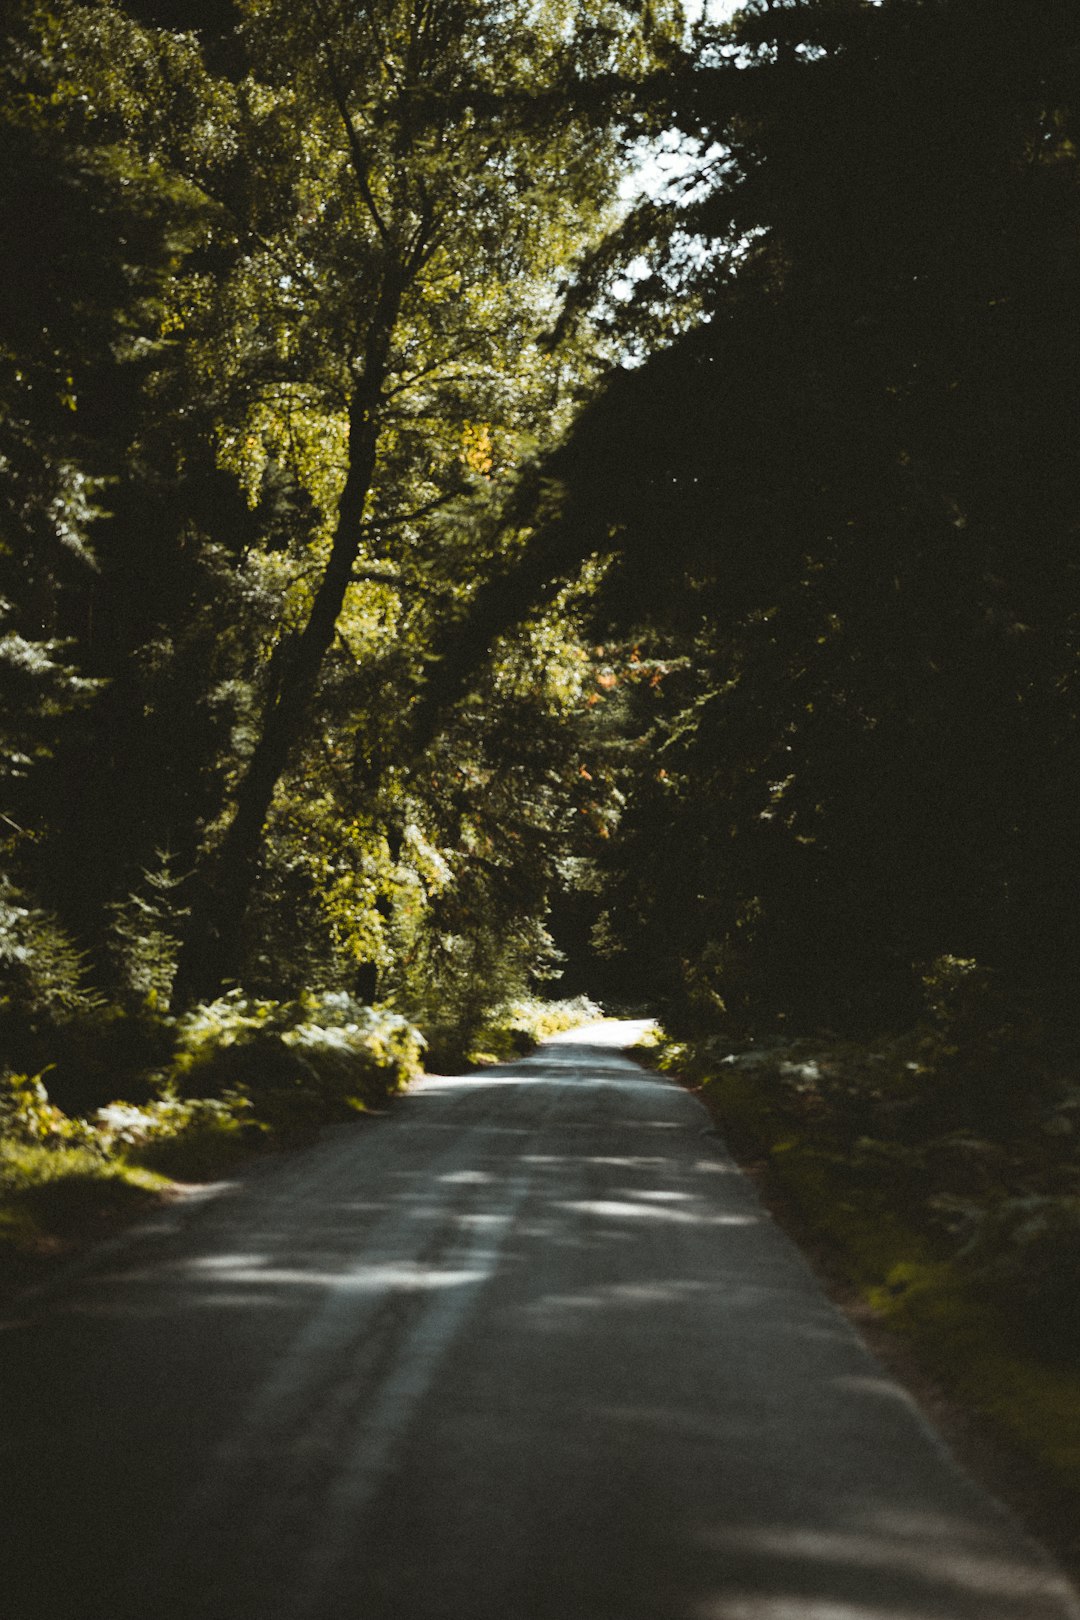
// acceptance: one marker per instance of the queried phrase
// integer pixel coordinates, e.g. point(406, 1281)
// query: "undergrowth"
point(516, 1026)
point(239, 1074)
point(509, 1030)
point(954, 1211)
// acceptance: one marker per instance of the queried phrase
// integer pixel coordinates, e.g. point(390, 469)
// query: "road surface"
point(526, 1349)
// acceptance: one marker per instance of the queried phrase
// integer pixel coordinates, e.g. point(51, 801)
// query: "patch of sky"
point(673, 167)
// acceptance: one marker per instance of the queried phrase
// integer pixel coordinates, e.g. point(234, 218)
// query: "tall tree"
point(850, 493)
point(90, 236)
point(412, 188)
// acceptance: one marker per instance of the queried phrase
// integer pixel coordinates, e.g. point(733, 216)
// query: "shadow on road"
point(529, 1348)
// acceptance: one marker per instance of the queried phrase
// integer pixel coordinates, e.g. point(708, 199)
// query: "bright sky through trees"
point(672, 157)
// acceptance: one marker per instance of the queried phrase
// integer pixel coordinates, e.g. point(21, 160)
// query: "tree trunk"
point(211, 955)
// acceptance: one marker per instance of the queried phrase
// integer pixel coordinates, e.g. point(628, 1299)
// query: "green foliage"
point(1025, 1253)
point(535, 1020)
point(38, 693)
point(144, 936)
point(515, 1027)
point(42, 973)
point(50, 1195)
point(299, 1063)
point(28, 1116)
point(185, 1138)
point(865, 1143)
point(227, 249)
point(986, 1053)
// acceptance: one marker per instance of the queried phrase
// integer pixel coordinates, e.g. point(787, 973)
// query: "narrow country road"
point(526, 1349)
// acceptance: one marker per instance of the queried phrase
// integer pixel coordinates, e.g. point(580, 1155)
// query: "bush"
point(1026, 1253)
point(28, 1116)
point(509, 1031)
point(235, 1070)
point(983, 1057)
point(190, 1139)
point(299, 1062)
point(517, 1026)
point(107, 1053)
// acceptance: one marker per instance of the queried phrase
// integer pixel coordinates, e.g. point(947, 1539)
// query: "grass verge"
point(56, 1199)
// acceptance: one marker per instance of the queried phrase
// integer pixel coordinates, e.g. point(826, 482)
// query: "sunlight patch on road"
point(373, 1279)
point(927, 1550)
point(660, 1292)
point(620, 1209)
point(230, 1263)
point(614, 1032)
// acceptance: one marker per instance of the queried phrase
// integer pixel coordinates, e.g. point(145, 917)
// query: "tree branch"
point(356, 151)
point(376, 576)
point(276, 250)
point(429, 371)
point(377, 525)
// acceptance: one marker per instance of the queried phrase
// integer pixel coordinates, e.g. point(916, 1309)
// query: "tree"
point(409, 192)
point(847, 494)
point(79, 330)
point(292, 413)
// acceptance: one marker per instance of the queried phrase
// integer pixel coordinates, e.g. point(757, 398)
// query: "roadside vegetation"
point(944, 1195)
point(239, 1075)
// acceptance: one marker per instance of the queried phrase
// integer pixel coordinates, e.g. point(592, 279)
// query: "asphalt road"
point(526, 1349)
